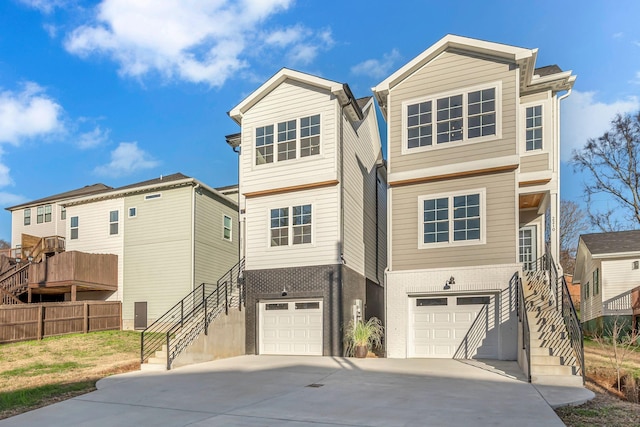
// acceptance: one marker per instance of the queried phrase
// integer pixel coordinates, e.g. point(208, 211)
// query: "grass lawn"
point(608, 408)
point(38, 373)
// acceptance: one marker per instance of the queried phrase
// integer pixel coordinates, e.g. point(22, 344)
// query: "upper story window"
point(27, 216)
point(40, 214)
point(113, 223)
point(451, 219)
point(586, 290)
point(153, 196)
point(133, 212)
point(533, 129)
point(74, 226)
point(63, 213)
point(464, 116)
point(291, 144)
point(47, 213)
point(635, 265)
point(596, 281)
point(281, 227)
point(226, 228)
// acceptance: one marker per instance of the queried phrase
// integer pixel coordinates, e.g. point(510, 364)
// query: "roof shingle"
point(613, 242)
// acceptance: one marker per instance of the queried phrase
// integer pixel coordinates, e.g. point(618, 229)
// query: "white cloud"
point(92, 139)
point(287, 36)
point(27, 114)
point(46, 6)
point(617, 35)
point(126, 159)
point(583, 117)
point(9, 199)
point(376, 68)
point(194, 40)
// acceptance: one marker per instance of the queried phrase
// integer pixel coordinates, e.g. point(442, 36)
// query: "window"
point(276, 306)
point(299, 227)
point(307, 305)
point(153, 196)
point(226, 228)
point(635, 265)
point(27, 216)
point(451, 219)
point(472, 300)
point(596, 281)
point(534, 128)
point(310, 136)
point(291, 144)
point(47, 213)
point(287, 140)
point(264, 145)
point(113, 223)
point(63, 213)
point(430, 302)
point(463, 117)
point(74, 228)
point(40, 215)
point(586, 290)
point(133, 212)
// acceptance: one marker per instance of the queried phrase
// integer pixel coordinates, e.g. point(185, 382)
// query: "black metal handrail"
point(524, 319)
point(179, 326)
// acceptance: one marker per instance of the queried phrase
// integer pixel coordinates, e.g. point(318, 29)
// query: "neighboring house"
point(170, 234)
point(473, 165)
point(47, 216)
point(574, 290)
point(607, 269)
point(312, 196)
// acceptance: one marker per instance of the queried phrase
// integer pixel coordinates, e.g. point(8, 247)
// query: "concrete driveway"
point(308, 391)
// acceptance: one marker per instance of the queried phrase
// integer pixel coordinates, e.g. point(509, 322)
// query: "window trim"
point(298, 139)
point(40, 215)
point(451, 243)
point(596, 281)
point(153, 196)
point(116, 222)
point(63, 213)
point(135, 212)
point(547, 138)
point(50, 213)
point(77, 228)
point(497, 85)
point(290, 207)
point(26, 217)
point(224, 227)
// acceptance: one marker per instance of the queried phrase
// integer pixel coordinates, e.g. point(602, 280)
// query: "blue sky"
point(119, 91)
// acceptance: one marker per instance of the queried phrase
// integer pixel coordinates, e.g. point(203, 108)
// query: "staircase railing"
point(524, 320)
point(15, 283)
point(182, 324)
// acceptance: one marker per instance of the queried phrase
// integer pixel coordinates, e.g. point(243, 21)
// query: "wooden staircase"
point(553, 361)
point(13, 283)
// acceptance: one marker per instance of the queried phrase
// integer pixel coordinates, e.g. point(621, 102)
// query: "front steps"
point(553, 361)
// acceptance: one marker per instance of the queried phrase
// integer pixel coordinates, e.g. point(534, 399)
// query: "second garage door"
point(291, 327)
point(453, 326)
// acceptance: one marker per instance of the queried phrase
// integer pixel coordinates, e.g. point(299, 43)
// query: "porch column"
point(73, 293)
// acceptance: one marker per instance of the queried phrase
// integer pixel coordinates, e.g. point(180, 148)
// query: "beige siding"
point(94, 237)
point(55, 227)
point(214, 255)
point(453, 71)
point(289, 101)
point(534, 163)
point(501, 231)
point(158, 249)
point(618, 278)
point(591, 307)
point(325, 230)
point(361, 150)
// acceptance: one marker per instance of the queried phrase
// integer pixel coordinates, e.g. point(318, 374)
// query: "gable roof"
point(83, 191)
point(340, 90)
point(612, 243)
point(524, 58)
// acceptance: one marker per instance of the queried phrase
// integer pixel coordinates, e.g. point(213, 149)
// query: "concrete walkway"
point(310, 392)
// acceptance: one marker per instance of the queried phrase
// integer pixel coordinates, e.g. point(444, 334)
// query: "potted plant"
point(361, 336)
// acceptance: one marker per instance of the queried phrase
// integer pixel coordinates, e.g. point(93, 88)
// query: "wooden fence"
point(36, 321)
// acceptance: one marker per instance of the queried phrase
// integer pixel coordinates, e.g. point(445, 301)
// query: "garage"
point(453, 326)
point(290, 327)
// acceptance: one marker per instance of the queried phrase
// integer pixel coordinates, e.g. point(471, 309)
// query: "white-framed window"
point(47, 213)
point(153, 196)
point(463, 116)
point(294, 221)
point(294, 139)
point(596, 281)
point(133, 212)
point(63, 213)
point(226, 228)
point(74, 227)
point(40, 214)
point(27, 216)
point(113, 223)
point(452, 219)
point(533, 128)
point(635, 265)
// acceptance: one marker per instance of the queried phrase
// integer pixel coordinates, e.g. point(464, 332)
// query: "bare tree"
point(4, 244)
point(573, 222)
point(612, 161)
point(617, 344)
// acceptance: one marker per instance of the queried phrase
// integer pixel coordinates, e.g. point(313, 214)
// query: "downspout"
point(556, 257)
point(342, 260)
point(240, 227)
point(193, 236)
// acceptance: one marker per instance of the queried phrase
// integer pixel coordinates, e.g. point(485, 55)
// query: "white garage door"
point(462, 326)
point(291, 327)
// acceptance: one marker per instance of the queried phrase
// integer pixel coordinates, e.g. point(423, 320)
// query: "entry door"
point(140, 315)
point(528, 247)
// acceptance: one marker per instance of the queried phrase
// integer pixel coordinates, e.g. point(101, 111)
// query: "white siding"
point(592, 307)
point(618, 278)
point(289, 101)
point(93, 234)
point(325, 231)
point(55, 227)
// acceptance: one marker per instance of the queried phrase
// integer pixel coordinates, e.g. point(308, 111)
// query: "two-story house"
point(607, 270)
point(473, 174)
point(312, 196)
